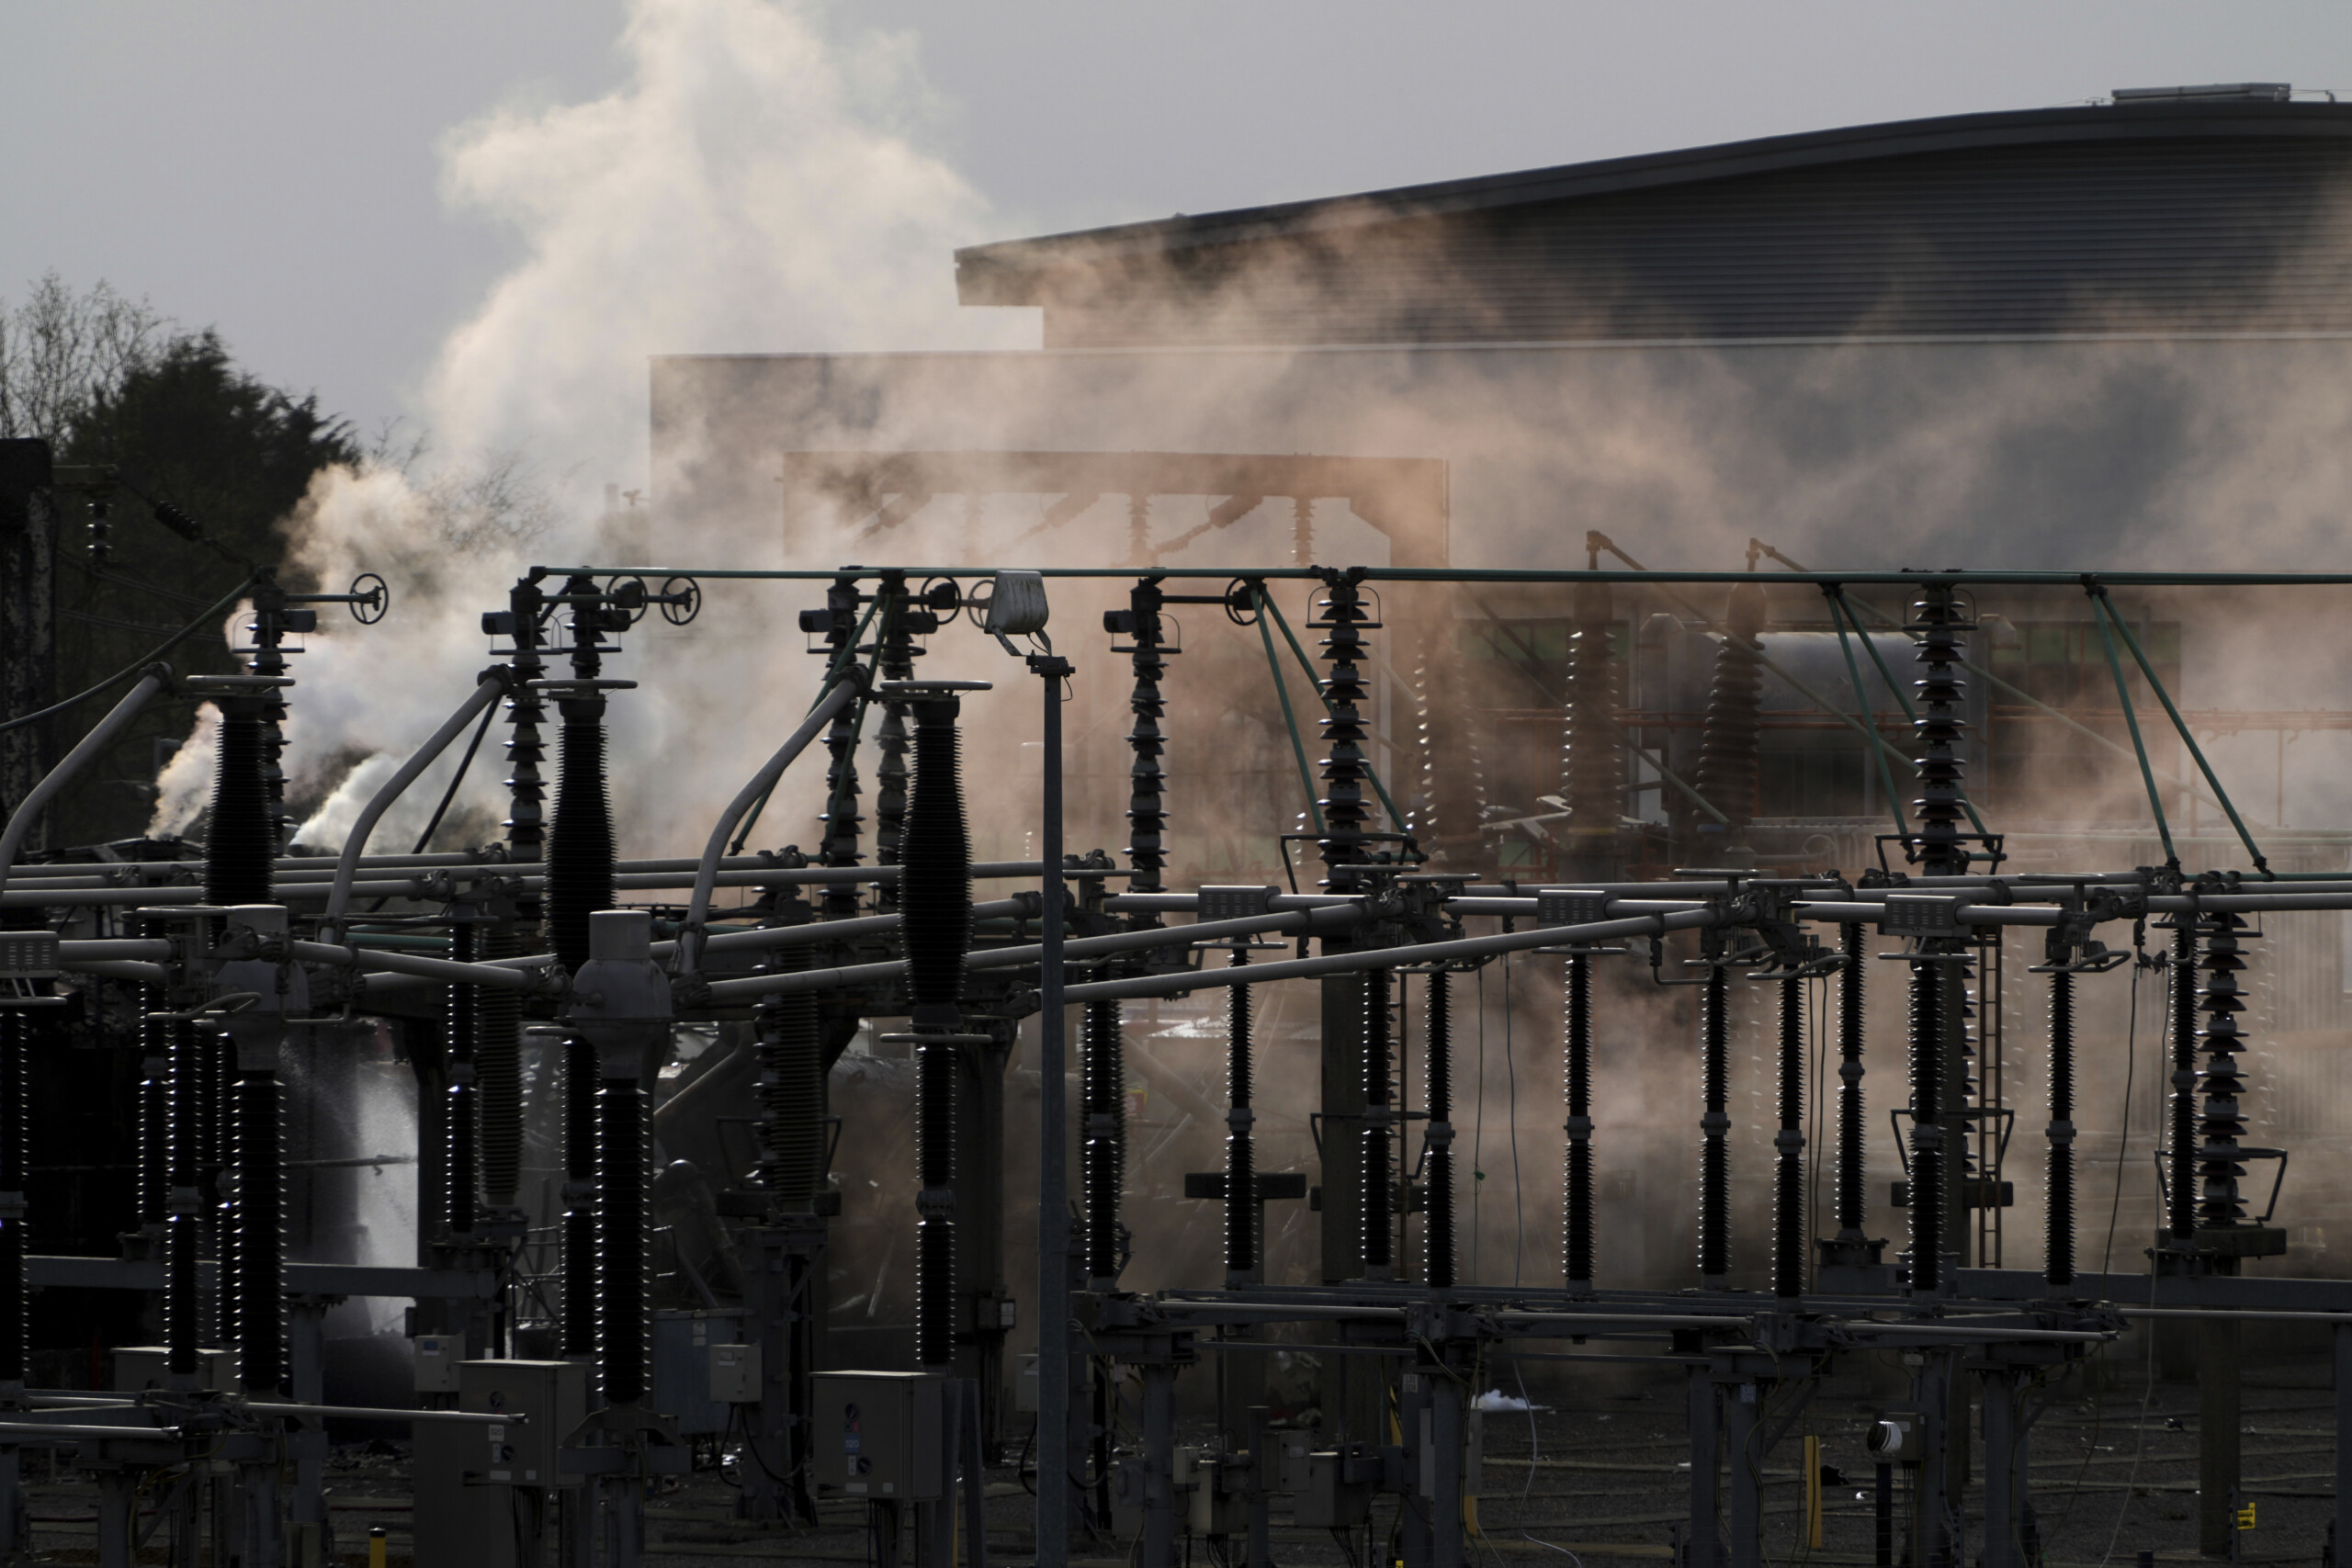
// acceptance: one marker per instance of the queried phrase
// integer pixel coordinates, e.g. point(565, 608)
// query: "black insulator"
point(1379, 1131)
point(620, 1249)
point(580, 839)
point(2222, 1127)
point(1577, 1067)
point(792, 1090)
point(1714, 1125)
point(935, 1204)
point(1593, 781)
point(1926, 1129)
point(241, 840)
point(895, 657)
point(1788, 1143)
point(840, 821)
point(464, 1174)
point(1148, 783)
point(261, 1232)
point(182, 1306)
point(1436, 1228)
point(580, 1083)
point(1240, 1153)
point(220, 1142)
point(155, 1102)
point(2180, 1187)
point(1345, 769)
point(935, 920)
point(498, 1075)
point(1102, 1093)
point(1939, 618)
point(526, 751)
point(1851, 1211)
point(1729, 746)
point(16, 1126)
point(2058, 1248)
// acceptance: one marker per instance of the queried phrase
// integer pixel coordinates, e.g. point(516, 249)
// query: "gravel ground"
point(1607, 1482)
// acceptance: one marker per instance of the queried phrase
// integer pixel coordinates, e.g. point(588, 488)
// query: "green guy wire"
point(1396, 818)
point(2131, 720)
point(1290, 720)
point(2099, 601)
point(1839, 613)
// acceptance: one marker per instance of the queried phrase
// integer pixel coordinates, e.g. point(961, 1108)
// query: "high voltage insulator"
point(183, 1220)
point(580, 840)
point(1788, 1184)
point(240, 841)
point(1379, 1124)
point(1241, 1262)
point(1576, 1068)
point(895, 661)
point(840, 821)
point(1146, 781)
point(1715, 1127)
point(1102, 1092)
point(1593, 780)
point(1851, 1245)
point(791, 1089)
point(1926, 1128)
point(1938, 619)
point(1345, 813)
point(464, 1174)
point(498, 1075)
point(2058, 1247)
point(2220, 1156)
point(1437, 1231)
point(1729, 755)
point(2180, 1187)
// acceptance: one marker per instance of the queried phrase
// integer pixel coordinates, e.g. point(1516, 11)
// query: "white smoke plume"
point(759, 181)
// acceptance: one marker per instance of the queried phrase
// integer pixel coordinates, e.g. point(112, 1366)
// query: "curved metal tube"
point(101, 735)
point(690, 937)
point(493, 686)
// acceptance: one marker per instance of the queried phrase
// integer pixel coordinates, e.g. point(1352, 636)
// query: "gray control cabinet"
point(880, 1436)
point(467, 1473)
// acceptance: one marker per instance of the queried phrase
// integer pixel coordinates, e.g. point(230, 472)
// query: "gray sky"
point(274, 169)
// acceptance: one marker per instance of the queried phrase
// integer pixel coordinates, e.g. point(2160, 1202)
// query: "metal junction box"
point(683, 1365)
point(879, 1435)
point(437, 1356)
point(140, 1367)
point(735, 1374)
point(553, 1395)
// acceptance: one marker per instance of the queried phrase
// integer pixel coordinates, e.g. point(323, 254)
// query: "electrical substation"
point(1257, 1058)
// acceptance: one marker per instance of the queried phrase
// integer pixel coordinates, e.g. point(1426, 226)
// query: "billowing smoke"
point(759, 181)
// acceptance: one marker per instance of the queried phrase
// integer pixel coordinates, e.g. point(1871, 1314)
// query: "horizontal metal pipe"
point(835, 698)
point(354, 843)
point(85, 751)
point(118, 969)
point(1963, 914)
point(386, 1413)
point(443, 969)
point(1391, 957)
point(1989, 1332)
point(124, 947)
point(18, 1433)
point(1023, 956)
point(2009, 577)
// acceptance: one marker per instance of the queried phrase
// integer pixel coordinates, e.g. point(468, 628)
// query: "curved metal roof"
point(2041, 201)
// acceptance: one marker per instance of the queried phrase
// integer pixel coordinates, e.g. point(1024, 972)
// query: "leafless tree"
point(60, 351)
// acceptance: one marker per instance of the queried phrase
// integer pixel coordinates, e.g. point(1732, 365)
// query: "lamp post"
point(1018, 607)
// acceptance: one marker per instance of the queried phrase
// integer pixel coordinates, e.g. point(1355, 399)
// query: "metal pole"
point(1053, 1174)
point(1706, 1533)
point(1741, 1405)
point(2343, 1439)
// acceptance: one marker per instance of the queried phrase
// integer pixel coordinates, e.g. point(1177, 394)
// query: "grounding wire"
point(137, 667)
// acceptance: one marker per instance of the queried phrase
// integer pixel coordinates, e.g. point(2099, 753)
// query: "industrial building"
point(1774, 689)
